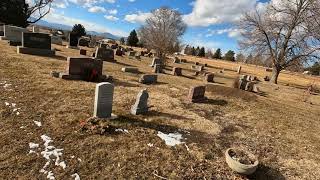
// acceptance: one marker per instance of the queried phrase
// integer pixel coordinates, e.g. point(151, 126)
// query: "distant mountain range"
point(69, 28)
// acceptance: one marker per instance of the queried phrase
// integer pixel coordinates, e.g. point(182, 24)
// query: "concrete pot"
point(239, 167)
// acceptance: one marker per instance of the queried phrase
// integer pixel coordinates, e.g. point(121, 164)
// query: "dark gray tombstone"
point(155, 61)
point(148, 79)
point(73, 41)
point(196, 94)
point(36, 44)
point(103, 100)
point(105, 54)
point(209, 77)
point(141, 105)
point(177, 71)
point(157, 68)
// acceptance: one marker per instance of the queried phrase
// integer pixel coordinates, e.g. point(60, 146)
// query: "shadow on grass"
point(265, 173)
point(167, 115)
point(188, 77)
point(124, 83)
point(214, 102)
point(124, 64)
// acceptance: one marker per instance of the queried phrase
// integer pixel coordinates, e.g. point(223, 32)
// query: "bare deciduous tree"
point(39, 9)
point(284, 31)
point(162, 31)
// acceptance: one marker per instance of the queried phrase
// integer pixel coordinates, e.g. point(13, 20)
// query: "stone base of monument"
point(2, 38)
point(35, 51)
point(72, 47)
point(66, 76)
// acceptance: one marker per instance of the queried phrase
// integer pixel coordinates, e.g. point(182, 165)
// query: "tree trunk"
point(275, 74)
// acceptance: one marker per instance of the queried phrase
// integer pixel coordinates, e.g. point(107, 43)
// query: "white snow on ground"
point(75, 176)
point(51, 154)
point(39, 124)
point(122, 130)
point(150, 144)
point(171, 139)
point(13, 105)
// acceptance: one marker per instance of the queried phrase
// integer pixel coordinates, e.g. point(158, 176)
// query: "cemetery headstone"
point(138, 57)
point(209, 77)
point(155, 61)
point(104, 46)
point(114, 46)
point(103, 100)
point(36, 44)
point(83, 52)
point(141, 104)
point(148, 79)
point(13, 33)
point(196, 94)
point(177, 71)
point(266, 78)
point(157, 68)
point(105, 54)
point(83, 68)
point(239, 70)
point(249, 86)
point(56, 40)
point(176, 60)
point(184, 61)
point(132, 54)
point(35, 29)
point(130, 69)
point(119, 52)
point(83, 42)
point(1, 30)
point(73, 41)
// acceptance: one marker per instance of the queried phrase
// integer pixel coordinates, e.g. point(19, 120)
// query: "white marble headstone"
point(13, 33)
point(103, 100)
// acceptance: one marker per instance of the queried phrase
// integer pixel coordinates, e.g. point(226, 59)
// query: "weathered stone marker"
point(13, 33)
point(148, 79)
point(176, 60)
point(141, 105)
point(155, 61)
point(35, 29)
point(119, 52)
point(157, 68)
point(103, 100)
point(196, 94)
point(36, 44)
point(73, 41)
point(105, 54)
point(130, 69)
point(239, 70)
point(209, 77)
point(83, 52)
point(177, 71)
point(56, 40)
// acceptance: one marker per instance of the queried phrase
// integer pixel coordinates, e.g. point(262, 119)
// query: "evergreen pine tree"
point(217, 54)
point(133, 39)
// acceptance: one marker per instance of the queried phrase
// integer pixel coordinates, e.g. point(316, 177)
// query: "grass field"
point(280, 125)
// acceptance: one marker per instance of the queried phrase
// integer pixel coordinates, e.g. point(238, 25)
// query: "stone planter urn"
point(241, 161)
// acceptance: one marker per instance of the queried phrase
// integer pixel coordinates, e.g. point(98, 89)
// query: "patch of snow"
point(33, 145)
point(7, 104)
point(38, 123)
point(171, 139)
point(72, 157)
point(79, 160)
point(6, 85)
point(50, 175)
point(75, 176)
point(51, 153)
point(13, 104)
point(122, 130)
point(150, 145)
point(18, 113)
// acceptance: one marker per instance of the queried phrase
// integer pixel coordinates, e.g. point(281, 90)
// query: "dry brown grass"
point(281, 129)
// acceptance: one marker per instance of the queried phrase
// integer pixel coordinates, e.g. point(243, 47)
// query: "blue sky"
point(210, 22)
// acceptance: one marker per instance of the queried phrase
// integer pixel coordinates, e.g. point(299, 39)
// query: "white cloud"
point(210, 12)
point(90, 3)
point(111, 18)
point(89, 25)
point(110, 1)
point(97, 9)
point(232, 32)
point(113, 11)
point(140, 17)
point(131, 0)
point(60, 4)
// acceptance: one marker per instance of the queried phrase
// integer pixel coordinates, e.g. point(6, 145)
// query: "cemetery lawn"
point(276, 125)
